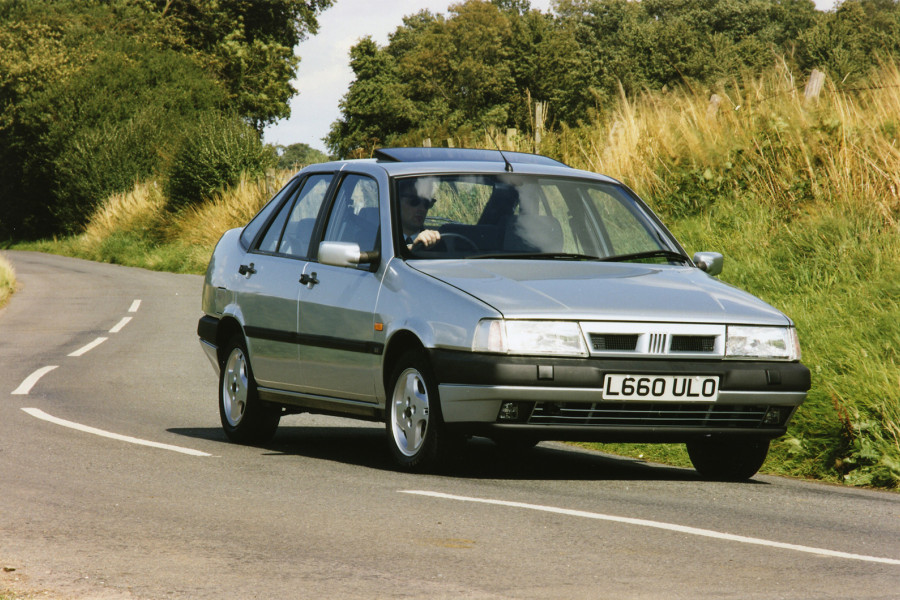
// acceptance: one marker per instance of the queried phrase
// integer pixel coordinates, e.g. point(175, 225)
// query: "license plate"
point(661, 388)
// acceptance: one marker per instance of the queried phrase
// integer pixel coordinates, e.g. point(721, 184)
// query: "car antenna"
point(509, 167)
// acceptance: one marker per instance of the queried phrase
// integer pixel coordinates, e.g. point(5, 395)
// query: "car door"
point(338, 349)
point(268, 296)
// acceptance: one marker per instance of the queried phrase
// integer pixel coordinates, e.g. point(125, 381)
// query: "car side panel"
point(268, 301)
point(338, 350)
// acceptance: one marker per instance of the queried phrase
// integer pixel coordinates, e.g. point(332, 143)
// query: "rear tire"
point(245, 418)
point(728, 459)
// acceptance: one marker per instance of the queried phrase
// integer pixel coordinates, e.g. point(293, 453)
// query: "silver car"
point(453, 293)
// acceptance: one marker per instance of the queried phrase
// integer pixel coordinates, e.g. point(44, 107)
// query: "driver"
point(413, 210)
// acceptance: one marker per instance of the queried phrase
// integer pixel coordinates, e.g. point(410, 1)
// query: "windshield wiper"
point(538, 256)
point(669, 254)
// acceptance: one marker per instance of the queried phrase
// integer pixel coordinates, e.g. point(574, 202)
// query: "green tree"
point(849, 42)
point(298, 155)
point(376, 105)
point(216, 151)
point(90, 98)
point(249, 44)
point(94, 95)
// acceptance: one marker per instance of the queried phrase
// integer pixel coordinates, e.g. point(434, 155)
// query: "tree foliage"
point(95, 95)
point(483, 63)
point(296, 156)
point(216, 151)
point(248, 44)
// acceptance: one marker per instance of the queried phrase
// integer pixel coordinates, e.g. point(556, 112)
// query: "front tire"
point(245, 418)
point(728, 459)
point(416, 434)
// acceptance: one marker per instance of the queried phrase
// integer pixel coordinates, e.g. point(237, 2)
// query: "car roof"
point(398, 162)
point(407, 155)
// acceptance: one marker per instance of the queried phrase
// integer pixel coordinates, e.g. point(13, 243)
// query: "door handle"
point(247, 269)
point(309, 279)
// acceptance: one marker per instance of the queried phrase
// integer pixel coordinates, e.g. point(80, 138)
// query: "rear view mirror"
point(345, 254)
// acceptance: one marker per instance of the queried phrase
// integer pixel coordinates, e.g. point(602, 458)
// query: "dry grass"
point(204, 224)
point(763, 136)
point(7, 281)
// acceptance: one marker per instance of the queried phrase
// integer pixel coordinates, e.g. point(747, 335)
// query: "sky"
point(324, 74)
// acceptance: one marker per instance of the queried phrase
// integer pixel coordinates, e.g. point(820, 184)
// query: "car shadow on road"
point(479, 458)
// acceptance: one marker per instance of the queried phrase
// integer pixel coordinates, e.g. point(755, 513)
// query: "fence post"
point(814, 85)
point(511, 136)
point(713, 109)
point(539, 116)
point(426, 143)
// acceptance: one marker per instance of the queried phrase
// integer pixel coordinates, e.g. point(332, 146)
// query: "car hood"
point(590, 290)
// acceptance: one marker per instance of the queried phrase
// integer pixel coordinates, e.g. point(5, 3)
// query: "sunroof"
point(462, 154)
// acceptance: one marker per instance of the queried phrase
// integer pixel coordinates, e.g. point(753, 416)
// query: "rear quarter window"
point(252, 229)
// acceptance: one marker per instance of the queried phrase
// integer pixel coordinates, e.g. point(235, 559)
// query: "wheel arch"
point(399, 344)
point(228, 327)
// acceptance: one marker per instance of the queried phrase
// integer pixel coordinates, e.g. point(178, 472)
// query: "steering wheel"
point(452, 245)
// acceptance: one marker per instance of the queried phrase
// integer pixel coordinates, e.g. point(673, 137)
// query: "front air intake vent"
point(614, 341)
point(693, 343)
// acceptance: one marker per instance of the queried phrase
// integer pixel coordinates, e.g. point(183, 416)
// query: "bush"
point(212, 157)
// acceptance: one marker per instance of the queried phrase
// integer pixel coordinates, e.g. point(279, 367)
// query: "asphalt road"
point(89, 510)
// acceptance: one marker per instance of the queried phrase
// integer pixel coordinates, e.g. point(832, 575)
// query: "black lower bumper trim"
point(470, 368)
point(609, 435)
point(207, 329)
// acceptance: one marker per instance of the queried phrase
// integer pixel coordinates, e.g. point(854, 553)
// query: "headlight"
point(779, 343)
point(557, 338)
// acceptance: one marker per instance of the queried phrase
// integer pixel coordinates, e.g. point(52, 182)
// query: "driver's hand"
point(427, 238)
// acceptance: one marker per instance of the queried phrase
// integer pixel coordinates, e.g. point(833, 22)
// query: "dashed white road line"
point(660, 525)
point(39, 414)
point(32, 379)
point(88, 347)
point(25, 387)
point(118, 327)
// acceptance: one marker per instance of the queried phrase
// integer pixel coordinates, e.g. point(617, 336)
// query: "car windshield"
point(516, 216)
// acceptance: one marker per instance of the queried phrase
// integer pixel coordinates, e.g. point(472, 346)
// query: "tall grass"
point(134, 228)
point(7, 281)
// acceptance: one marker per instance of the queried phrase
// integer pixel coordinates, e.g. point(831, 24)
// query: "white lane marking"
point(120, 325)
point(89, 347)
point(32, 379)
point(660, 525)
point(135, 306)
point(38, 413)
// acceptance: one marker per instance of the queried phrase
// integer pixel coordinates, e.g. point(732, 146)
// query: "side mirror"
point(345, 254)
point(710, 262)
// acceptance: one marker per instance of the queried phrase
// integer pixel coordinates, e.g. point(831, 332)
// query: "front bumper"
point(560, 398)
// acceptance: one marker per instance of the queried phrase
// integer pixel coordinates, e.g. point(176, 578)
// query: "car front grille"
point(677, 340)
point(640, 414)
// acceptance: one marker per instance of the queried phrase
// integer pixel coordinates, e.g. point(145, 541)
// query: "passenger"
point(413, 210)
